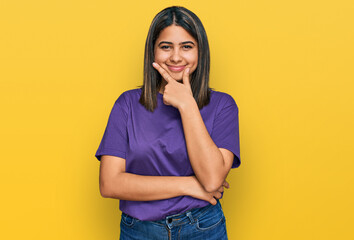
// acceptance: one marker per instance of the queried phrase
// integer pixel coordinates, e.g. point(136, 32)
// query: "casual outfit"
point(153, 144)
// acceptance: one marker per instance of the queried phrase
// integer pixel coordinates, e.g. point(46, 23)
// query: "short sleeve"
point(115, 138)
point(225, 133)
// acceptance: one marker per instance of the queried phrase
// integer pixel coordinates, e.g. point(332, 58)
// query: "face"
point(175, 49)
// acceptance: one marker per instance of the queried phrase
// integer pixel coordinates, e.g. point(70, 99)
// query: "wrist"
point(186, 185)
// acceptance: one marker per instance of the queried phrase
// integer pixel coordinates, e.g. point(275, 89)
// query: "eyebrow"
point(179, 44)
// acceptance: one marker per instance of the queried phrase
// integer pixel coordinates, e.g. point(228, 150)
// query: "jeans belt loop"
point(189, 214)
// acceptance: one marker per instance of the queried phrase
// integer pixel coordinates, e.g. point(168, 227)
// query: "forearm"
point(133, 187)
point(205, 157)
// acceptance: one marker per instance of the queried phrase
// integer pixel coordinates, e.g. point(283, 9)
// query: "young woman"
point(170, 144)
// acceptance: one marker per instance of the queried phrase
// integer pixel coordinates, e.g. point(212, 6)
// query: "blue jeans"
point(206, 223)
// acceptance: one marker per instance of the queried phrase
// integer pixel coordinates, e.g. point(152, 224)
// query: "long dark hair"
point(199, 80)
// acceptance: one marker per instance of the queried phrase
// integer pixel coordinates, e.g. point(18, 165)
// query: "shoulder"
point(128, 96)
point(133, 91)
point(124, 101)
point(223, 99)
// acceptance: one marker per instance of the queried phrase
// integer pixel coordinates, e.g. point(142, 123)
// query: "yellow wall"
point(288, 65)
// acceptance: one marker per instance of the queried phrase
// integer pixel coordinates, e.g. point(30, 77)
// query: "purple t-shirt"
point(153, 144)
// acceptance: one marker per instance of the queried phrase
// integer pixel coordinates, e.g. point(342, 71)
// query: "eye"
point(187, 46)
point(165, 47)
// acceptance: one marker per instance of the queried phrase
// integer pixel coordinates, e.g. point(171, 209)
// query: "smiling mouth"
point(176, 68)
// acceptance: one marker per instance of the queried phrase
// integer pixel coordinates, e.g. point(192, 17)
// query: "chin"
point(177, 76)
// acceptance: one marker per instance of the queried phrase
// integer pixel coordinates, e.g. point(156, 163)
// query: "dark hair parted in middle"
point(199, 79)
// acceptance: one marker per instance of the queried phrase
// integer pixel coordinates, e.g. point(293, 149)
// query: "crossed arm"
point(116, 183)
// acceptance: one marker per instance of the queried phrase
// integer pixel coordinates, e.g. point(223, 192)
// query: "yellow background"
point(288, 65)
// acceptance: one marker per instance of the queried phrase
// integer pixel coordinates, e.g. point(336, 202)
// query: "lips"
point(176, 68)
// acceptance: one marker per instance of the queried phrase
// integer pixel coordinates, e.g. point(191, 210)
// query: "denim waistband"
point(188, 216)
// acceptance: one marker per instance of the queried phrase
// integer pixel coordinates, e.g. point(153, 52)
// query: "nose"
point(175, 56)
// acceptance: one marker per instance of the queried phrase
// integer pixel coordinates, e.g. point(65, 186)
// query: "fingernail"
point(154, 64)
point(187, 70)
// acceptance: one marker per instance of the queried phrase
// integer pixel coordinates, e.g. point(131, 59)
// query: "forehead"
point(175, 34)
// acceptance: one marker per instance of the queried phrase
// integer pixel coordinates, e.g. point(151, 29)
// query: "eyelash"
point(163, 47)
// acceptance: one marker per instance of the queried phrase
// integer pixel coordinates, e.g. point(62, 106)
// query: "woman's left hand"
point(175, 93)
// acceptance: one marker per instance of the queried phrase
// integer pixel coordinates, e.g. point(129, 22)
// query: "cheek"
point(192, 58)
point(160, 56)
point(194, 62)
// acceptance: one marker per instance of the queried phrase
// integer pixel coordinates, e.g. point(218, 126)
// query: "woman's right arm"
point(116, 183)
